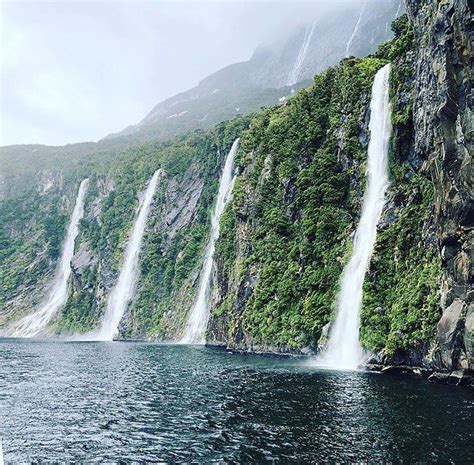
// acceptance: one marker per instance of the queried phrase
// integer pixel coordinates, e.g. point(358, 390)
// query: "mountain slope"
point(272, 71)
point(287, 232)
point(241, 88)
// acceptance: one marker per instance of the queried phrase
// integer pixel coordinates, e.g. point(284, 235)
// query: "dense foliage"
point(285, 236)
point(401, 294)
point(297, 202)
point(31, 232)
point(166, 262)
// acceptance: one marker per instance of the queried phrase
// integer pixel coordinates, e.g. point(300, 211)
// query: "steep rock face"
point(91, 276)
point(97, 260)
point(287, 233)
point(182, 197)
point(443, 122)
point(277, 271)
point(175, 214)
point(174, 238)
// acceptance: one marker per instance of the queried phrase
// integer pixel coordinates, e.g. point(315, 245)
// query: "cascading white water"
point(199, 315)
point(294, 75)
point(344, 350)
point(124, 289)
point(356, 29)
point(31, 325)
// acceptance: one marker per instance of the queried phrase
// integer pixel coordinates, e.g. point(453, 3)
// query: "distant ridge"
point(240, 88)
point(269, 75)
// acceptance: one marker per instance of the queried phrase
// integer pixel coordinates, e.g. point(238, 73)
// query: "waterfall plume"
point(294, 75)
point(123, 291)
point(344, 350)
point(33, 324)
point(355, 30)
point(199, 314)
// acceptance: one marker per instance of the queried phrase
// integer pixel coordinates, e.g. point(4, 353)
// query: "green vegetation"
point(297, 201)
point(295, 204)
point(285, 236)
point(166, 262)
point(401, 293)
point(31, 232)
point(400, 308)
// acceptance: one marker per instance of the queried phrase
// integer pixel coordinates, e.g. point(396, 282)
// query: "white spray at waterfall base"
point(344, 350)
point(123, 291)
point(31, 325)
point(199, 314)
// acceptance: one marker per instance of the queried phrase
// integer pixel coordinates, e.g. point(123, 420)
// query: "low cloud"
point(76, 71)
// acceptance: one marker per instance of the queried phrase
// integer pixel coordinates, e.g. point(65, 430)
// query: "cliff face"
point(173, 243)
point(287, 233)
point(280, 255)
point(33, 229)
point(443, 123)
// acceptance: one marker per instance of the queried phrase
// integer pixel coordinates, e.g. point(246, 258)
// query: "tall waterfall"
point(199, 315)
point(294, 75)
point(32, 325)
point(344, 350)
point(124, 289)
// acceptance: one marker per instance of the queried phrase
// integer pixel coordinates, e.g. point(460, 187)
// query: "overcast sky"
point(77, 71)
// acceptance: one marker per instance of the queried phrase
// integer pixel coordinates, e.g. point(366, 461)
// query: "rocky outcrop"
point(443, 122)
point(47, 179)
point(451, 350)
point(82, 259)
point(91, 274)
point(173, 217)
point(105, 186)
point(432, 151)
point(182, 197)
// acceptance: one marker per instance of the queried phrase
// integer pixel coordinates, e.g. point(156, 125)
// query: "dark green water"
point(108, 402)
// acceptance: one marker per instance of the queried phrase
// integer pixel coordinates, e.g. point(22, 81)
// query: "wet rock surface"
point(443, 139)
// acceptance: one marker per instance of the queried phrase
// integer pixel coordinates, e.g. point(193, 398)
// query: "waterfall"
point(199, 315)
point(295, 72)
point(124, 289)
point(31, 325)
point(398, 10)
point(344, 350)
point(356, 28)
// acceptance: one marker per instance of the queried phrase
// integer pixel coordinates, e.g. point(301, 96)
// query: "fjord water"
point(35, 323)
point(108, 402)
point(199, 313)
point(123, 291)
point(344, 350)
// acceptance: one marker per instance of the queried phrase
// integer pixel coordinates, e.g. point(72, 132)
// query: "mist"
point(73, 72)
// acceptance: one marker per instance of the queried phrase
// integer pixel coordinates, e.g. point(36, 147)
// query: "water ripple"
point(127, 402)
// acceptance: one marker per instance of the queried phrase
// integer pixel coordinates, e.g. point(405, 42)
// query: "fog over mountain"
point(77, 72)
